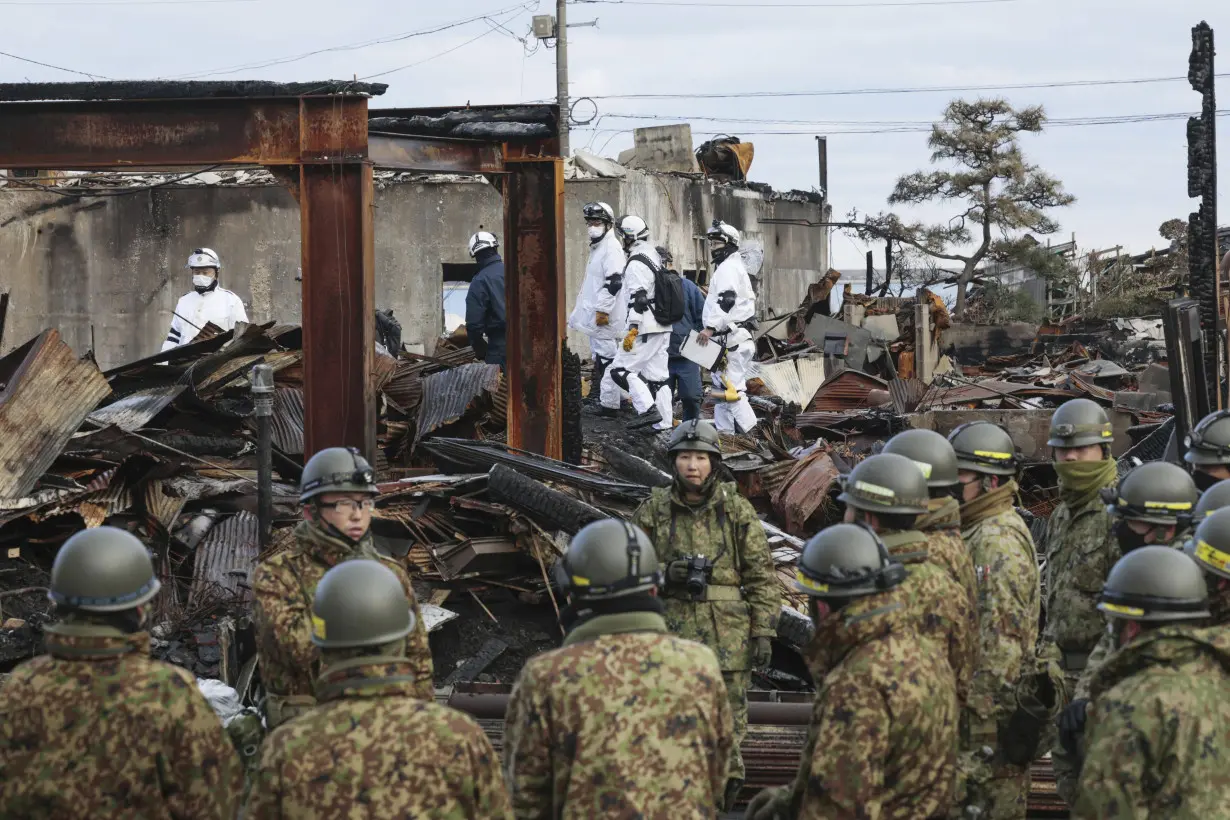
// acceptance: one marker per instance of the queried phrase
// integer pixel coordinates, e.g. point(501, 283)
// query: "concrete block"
point(664, 148)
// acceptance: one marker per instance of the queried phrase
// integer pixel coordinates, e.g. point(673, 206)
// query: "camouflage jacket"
point(726, 530)
point(371, 748)
point(1079, 554)
point(946, 546)
point(938, 604)
point(883, 736)
point(98, 729)
point(624, 720)
point(1156, 731)
point(284, 585)
point(1006, 565)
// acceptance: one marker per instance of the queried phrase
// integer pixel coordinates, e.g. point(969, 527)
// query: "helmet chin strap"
point(327, 527)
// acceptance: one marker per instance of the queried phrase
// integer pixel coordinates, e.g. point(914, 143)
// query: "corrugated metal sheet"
point(47, 393)
point(161, 505)
point(794, 380)
point(225, 559)
point(804, 491)
point(405, 388)
point(847, 390)
point(288, 414)
point(906, 393)
point(136, 410)
point(448, 394)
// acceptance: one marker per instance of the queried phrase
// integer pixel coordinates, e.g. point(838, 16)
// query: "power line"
point(851, 92)
point(120, 2)
point(357, 45)
point(891, 125)
point(744, 5)
point(489, 31)
point(56, 67)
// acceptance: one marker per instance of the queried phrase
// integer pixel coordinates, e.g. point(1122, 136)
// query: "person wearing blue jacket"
point(685, 374)
point(485, 318)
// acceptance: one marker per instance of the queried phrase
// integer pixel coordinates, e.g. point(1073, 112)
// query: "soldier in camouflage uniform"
point(1160, 716)
point(887, 492)
point(732, 607)
point(1208, 449)
point(1151, 506)
point(1006, 564)
point(97, 729)
point(1210, 547)
point(1078, 544)
point(625, 720)
point(883, 735)
point(336, 493)
point(370, 747)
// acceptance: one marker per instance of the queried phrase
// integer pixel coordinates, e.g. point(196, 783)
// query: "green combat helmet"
point(608, 559)
point(1079, 423)
point(931, 452)
point(103, 569)
point(1211, 544)
point(1157, 493)
point(1209, 443)
point(1155, 584)
point(984, 447)
point(696, 435)
point(360, 603)
point(846, 561)
point(886, 483)
point(336, 470)
point(1212, 500)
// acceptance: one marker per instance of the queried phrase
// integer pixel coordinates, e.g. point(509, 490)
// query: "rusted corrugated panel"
point(848, 390)
point(804, 491)
point(448, 394)
point(224, 560)
point(136, 410)
point(906, 393)
point(47, 393)
point(161, 505)
point(287, 429)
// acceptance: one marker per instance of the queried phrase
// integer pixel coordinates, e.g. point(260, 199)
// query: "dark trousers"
point(685, 378)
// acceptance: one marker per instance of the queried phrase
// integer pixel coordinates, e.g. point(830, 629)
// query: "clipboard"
point(706, 356)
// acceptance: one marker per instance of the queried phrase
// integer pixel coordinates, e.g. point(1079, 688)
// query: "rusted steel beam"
point(535, 297)
point(434, 155)
point(149, 132)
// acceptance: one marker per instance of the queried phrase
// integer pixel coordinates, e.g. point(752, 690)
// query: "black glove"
point(677, 572)
point(479, 346)
point(1071, 723)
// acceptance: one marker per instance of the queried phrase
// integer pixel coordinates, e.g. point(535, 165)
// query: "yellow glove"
point(731, 393)
point(601, 319)
point(629, 340)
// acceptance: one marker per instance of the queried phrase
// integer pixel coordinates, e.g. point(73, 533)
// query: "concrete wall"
point(108, 271)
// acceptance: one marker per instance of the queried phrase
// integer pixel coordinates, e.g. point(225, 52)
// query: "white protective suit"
point(195, 310)
point(731, 280)
point(648, 359)
point(603, 273)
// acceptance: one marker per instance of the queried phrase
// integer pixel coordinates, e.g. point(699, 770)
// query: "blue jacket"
point(693, 306)
point(485, 307)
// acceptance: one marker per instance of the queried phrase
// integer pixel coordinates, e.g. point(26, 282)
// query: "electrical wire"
point(120, 2)
point(396, 38)
point(56, 67)
point(854, 92)
point(907, 126)
point(55, 189)
point(436, 55)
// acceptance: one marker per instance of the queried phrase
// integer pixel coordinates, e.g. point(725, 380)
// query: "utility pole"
point(561, 72)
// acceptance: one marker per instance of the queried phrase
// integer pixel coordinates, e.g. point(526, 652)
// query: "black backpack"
point(667, 301)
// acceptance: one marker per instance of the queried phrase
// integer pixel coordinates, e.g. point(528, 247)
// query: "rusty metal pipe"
point(493, 707)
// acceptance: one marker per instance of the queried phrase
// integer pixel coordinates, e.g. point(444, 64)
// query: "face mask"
point(596, 233)
point(201, 281)
point(1203, 480)
point(1128, 538)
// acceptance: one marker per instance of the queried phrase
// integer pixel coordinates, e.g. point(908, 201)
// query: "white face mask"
point(596, 233)
point(200, 280)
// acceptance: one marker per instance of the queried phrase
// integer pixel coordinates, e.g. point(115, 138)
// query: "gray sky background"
point(1128, 178)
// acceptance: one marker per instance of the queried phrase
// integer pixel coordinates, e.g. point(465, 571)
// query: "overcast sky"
point(1128, 178)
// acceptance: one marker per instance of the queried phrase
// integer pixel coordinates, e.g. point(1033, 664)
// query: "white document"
point(704, 355)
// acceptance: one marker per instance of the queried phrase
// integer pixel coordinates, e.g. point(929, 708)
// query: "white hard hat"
point(721, 232)
point(600, 211)
point(481, 241)
point(204, 258)
point(632, 229)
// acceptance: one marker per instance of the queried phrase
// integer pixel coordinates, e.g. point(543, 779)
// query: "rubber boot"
point(647, 419)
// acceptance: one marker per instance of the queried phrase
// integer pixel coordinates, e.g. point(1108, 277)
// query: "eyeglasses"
point(349, 505)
